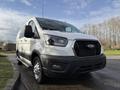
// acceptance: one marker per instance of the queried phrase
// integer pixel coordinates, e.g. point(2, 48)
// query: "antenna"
point(43, 8)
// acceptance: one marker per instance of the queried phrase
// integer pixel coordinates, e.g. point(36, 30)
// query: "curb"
point(15, 86)
point(13, 83)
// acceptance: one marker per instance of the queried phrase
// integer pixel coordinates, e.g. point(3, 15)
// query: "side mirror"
point(28, 32)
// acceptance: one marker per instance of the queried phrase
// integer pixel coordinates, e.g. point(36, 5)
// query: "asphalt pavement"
point(105, 79)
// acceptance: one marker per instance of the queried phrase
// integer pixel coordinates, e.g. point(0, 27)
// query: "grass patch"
point(112, 52)
point(6, 71)
point(6, 53)
point(3, 53)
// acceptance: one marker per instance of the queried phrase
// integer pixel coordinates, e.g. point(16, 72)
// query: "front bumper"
point(62, 66)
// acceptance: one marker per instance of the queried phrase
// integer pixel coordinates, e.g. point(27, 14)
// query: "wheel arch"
point(34, 54)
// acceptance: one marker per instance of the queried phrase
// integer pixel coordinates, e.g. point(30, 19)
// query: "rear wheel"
point(17, 56)
point(19, 62)
point(37, 70)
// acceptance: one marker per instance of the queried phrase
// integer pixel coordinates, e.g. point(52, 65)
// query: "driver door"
point(30, 42)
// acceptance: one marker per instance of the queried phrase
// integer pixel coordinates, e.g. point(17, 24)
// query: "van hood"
point(71, 36)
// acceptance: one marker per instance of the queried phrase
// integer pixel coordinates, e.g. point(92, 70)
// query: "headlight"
point(56, 40)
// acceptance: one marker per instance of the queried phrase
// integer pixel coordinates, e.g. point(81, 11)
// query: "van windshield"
point(54, 25)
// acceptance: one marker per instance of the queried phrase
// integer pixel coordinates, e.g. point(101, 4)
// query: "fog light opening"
point(56, 67)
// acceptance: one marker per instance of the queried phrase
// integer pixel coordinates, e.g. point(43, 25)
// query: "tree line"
point(107, 32)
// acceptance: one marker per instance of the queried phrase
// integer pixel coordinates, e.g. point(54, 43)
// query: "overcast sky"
point(14, 13)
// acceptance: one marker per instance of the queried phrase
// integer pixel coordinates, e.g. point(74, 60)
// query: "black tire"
point(19, 62)
point(37, 70)
point(17, 56)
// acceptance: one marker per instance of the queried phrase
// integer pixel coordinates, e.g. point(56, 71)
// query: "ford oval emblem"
point(91, 46)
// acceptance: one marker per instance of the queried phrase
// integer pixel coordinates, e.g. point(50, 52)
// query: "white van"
point(57, 49)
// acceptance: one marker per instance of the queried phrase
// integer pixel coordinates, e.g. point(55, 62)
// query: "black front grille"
point(84, 48)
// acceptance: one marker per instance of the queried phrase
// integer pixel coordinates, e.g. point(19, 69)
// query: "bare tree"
point(108, 32)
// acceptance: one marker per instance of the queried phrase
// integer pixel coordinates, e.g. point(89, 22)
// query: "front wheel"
point(37, 70)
